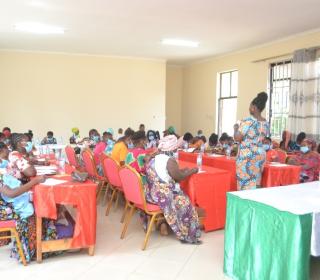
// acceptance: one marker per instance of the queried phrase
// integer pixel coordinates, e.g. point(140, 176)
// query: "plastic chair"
point(134, 194)
point(111, 171)
point(91, 169)
point(9, 230)
point(72, 158)
point(282, 155)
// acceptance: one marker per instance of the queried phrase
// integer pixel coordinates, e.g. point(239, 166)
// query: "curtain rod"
point(272, 57)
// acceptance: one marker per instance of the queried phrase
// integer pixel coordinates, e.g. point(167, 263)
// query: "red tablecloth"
point(274, 175)
point(208, 191)
point(221, 162)
point(80, 195)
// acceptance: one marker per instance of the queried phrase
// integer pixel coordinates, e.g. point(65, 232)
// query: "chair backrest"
point(71, 156)
point(89, 163)
point(282, 155)
point(132, 185)
point(111, 170)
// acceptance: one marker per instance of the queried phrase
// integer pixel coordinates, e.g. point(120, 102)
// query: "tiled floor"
point(165, 257)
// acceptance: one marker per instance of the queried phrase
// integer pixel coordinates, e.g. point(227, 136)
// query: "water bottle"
point(62, 163)
point(199, 161)
point(228, 152)
point(202, 148)
point(186, 146)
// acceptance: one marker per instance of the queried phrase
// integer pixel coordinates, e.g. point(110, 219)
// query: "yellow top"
point(119, 152)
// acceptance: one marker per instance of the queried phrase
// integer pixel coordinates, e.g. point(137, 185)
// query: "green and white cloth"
point(271, 232)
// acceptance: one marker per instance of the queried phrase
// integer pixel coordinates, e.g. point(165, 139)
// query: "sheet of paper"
point(53, 182)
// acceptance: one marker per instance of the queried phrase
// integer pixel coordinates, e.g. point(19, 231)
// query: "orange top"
point(119, 152)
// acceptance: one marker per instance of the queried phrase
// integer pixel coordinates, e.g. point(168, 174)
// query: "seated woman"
point(213, 141)
point(25, 221)
point(120, 149)
point(49, 140)
point(75, 138)
point(271, 154)
point(110, 142)
point(197, 143)
point(163, 177)
point(135, 157)
point(309, 162)
point(152, 139)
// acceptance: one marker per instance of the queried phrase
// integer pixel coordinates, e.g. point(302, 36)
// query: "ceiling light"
point(180, 43)
point(38, 28)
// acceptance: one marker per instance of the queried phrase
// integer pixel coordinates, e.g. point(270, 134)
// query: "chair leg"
point(109, 204)
point(105, 194)
point(124, 213)
point(19, 246)
point(127, 220)
point(117, 200)
point(98, 192)
point(146, 239)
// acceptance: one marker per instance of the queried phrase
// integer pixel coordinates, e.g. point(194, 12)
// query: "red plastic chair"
point(91, 169)
point(282, 155)
point(8, 228)
point(111, 169)
point(134, 194)
point(72, 157)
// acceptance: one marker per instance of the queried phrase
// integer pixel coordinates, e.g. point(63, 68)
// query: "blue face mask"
point(151, 137)
point(96, 138)
point(130, 146)
point(225, 146)
point(4, 163)
point(28, 147)
point(266, 147)
point(304, 149)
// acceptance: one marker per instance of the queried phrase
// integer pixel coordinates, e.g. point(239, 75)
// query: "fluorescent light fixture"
point(38, 28)
point(180, 43)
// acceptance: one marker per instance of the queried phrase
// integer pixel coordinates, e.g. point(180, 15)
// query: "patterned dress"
point(26, 228)
point(251, 155)
point(135, 158)
point(178, 211)
point(310, 166)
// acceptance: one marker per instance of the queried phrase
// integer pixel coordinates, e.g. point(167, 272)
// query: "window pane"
point(234, 83)
point(227, 115)
point(279, 91)
point(225, 85)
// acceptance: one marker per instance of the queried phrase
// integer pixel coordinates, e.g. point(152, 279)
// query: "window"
point(279, 90)
point(227, 101)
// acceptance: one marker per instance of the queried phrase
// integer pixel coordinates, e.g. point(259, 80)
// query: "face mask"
point(225, 146)
point(28, 147)
point(151, 138)
point(96, 138)
point(304, 149)
point(130, 145)
point(4, 163)
point(266, 147)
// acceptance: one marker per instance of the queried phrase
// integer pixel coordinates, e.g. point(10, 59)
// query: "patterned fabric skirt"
point(26, 229)
point(249, 169)
point(178, 211)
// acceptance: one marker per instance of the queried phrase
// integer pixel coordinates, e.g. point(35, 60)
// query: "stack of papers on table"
point(278, 164)
point(46, 170)
point(215, 155)
point(53, 182)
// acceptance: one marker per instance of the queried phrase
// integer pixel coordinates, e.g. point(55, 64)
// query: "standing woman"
point(251, 156)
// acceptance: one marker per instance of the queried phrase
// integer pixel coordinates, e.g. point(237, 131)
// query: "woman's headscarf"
point(170, 143)
point(75, 130)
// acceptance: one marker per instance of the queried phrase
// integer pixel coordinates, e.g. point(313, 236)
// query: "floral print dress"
point(251, 155)
point(135, 158)
point(178, 211)
point(26, 227)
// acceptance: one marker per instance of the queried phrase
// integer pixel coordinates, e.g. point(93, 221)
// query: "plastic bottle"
point(228, 152)
point(199, 161)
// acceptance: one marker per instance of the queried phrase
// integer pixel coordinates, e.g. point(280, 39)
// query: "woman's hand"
point(38, 180)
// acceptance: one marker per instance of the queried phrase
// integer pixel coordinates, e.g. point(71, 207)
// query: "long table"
point(271, 232)
point(273, 174)
point(80, 195)
point(207, 189)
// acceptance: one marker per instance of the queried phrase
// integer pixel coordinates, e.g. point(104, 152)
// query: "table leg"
point(39, 239)
point(91, 250)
